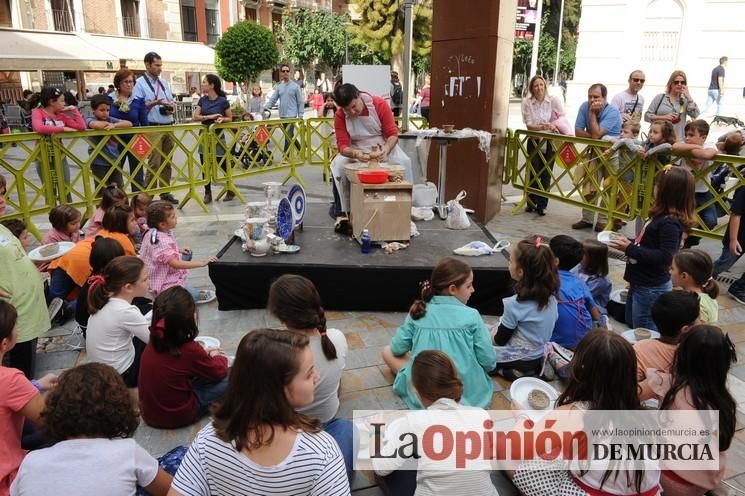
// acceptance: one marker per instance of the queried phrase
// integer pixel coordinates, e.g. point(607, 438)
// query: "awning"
point(177, 55)
point(51, 51)
point(27, 50)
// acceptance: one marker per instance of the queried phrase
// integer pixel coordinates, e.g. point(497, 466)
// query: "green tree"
point(244, 51)
point(310, 37)
point(382, 28)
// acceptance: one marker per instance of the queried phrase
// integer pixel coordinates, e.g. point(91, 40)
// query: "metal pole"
point(536, 40)
point(408, 31)
point(558, 43)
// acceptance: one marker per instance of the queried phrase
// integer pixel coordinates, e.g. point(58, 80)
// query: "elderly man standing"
point(156, 95)
point(291, 104)
point(365, 129)
point(595, 119)
point(629, 102)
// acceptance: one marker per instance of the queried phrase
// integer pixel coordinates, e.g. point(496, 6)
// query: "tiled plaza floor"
point(366, 383)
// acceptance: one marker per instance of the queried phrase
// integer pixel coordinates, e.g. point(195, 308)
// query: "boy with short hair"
point(18, 228)
point(109, 154)
point(577, 308)
point(622, 153)
point(698, 158)
point(673, 313)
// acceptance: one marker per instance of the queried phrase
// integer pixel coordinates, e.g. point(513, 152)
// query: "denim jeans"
point(60, 285)
point(714, 96)
point(708, 216)
point(725, 261)
point(540, 173)
point(346, 436)
point(209, 392)
point(639, 304)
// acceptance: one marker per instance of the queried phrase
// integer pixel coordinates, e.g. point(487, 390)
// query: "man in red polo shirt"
point(365, 129)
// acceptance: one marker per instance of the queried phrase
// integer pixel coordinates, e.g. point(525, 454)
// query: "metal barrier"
point(577, 171)
point(242, 149)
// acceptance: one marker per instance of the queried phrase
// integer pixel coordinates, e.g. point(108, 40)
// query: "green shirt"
point(708, 309)
point(21, 279)
point(458, 331)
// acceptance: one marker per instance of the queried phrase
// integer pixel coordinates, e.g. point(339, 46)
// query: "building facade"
point(658, 37)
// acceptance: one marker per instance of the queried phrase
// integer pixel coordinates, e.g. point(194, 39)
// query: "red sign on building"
point(141, 147)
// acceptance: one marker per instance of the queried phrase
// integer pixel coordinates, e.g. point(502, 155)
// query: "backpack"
point(397, 94)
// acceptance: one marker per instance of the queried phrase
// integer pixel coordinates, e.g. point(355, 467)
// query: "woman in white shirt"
point(117, 331)
point(540, 110)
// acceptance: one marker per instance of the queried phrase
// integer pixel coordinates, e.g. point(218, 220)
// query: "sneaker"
point(65, 314)
point(205, 296)
point(582, 225)
point(169, 198)
point(54, 307)
point(342, 225)
point(738, 296)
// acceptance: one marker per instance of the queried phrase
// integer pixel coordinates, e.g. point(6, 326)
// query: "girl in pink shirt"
point(65, 222)
point(52, 117)
point(112, 196)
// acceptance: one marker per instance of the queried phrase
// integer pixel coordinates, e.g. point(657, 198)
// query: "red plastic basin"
point(373, 176)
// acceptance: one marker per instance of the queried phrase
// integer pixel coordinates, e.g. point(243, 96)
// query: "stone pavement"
point(366, 383)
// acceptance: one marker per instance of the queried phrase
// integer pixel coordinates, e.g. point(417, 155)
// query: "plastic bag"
point(422, 213)
point(424, 195)
point(457, 216)
point(476, 248)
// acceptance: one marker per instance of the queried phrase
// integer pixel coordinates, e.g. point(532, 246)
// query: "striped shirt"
point(213, 467)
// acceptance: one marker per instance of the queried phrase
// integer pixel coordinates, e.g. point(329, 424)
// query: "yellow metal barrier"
point(24, 161)
point(577, 171)
point(243, 149)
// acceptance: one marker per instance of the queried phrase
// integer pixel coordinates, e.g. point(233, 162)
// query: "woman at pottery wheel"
point(365, 130)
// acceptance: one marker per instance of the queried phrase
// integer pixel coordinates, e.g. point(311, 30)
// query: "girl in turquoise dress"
point(441, 321)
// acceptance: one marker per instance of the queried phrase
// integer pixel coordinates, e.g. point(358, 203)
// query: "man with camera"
point(156, 94)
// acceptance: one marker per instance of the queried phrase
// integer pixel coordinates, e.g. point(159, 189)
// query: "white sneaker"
point(206, 296)
point(54, 307)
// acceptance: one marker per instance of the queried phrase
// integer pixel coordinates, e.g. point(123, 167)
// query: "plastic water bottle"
point(365, 240)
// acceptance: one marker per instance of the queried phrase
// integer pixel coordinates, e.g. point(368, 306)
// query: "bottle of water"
point(365, 240)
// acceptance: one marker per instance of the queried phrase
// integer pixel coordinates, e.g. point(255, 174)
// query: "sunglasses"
point(637, 80)
point(285, 70)
point(679, 82)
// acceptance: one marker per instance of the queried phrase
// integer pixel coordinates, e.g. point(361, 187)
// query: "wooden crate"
point(383, 209)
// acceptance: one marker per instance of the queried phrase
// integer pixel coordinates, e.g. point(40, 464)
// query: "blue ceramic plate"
point(297, 200)
point(285, 221)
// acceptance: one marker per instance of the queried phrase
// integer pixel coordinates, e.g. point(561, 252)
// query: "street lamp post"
point(558, 44)
point(408, 33)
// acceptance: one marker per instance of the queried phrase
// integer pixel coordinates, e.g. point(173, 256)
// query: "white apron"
point(365, 131)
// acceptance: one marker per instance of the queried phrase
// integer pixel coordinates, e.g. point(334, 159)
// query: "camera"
point(165, 110)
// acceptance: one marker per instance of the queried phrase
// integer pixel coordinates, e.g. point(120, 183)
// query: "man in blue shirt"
point(291, 104)
point(595, 119)
point(156, 95)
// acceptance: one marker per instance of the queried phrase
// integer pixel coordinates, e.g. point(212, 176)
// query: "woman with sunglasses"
point(673, 105)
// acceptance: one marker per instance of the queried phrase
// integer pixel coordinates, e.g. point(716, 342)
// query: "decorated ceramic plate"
point(289, 249)
point(208, 341)
point(45, 253)
point(297, 200)
point(285, 220)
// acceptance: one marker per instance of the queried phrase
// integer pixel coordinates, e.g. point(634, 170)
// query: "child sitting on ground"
point(673, 313)
point(699, 163)
point(593, 271)
point(139, 204)
point(440, 320)
point(530, 315)
point(117, 330)
point(108, 156)
point(111, 196)
point(179, 379)
point(92, 414)
point(65, 222)
point(166, 263)
point(576, 306)
point(692, 271)
point(695, 387)
point(103, 251)
point(18, 228)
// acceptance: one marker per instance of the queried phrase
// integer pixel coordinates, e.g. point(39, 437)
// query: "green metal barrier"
point(605, 183)
point(24, 161)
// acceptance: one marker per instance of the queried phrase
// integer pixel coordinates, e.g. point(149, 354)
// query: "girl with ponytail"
point(440, 320)
point(295, 301)
point(117, 331)
point(693, 270)
point(179, 379)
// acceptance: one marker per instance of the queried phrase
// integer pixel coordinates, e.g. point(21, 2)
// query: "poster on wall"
point(526, 17)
